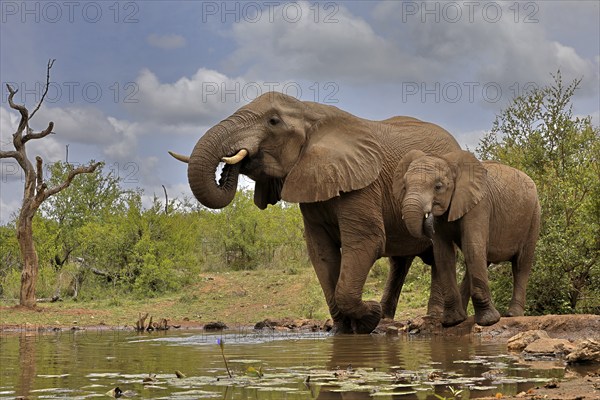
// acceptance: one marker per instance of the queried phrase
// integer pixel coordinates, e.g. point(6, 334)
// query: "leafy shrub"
point(538, 134)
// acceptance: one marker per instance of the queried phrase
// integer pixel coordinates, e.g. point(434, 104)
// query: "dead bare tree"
point(35, 189)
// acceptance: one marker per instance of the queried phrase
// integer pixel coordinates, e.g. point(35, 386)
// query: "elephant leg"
point(362, 237)
point(444, 274)
point(435, 305)
point(521, 268)
point(325, 257)
point(474, 247)
point(356, 264)
point(393, 287)
point(465, 291)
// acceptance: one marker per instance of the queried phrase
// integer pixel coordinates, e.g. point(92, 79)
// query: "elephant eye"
point(274, 121)
point(439, 186)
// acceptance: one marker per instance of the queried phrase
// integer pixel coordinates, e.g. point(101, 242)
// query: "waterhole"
point(257, 365)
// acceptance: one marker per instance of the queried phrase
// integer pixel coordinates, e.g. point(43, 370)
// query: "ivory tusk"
point(426, 215)
point(180, 157)
point(237, 158)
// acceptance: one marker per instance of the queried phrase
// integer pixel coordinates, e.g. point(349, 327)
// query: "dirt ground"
point(571, 327)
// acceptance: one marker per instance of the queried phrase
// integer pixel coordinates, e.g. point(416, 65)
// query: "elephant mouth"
point(428, 228)
point(228, 172)
point(253, 168)
point(230, 167)
point(243, 163)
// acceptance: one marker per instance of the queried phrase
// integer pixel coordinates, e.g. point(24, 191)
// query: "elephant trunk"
point(203, 163)
point(417, 217)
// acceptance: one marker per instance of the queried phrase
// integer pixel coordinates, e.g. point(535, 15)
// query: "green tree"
point(240, 232)
point(91, 198)
point(539, 134)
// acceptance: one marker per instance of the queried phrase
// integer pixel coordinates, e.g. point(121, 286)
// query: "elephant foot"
point(388, 312)
point(514, 311)
point(487, 317)
point(453, 317)
point(368, 322)
point(342, 326)
point(435, 311)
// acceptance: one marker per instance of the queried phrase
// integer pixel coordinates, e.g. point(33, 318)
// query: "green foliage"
point(251, 237)
point(455, 393)
point(538, 134)
point(313, 304)
point(10, 257)
point(415, 292)
point(96, 240)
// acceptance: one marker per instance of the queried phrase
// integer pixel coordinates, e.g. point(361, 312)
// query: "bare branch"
point(166, 199)
point(10, 154)
point(39, 172)
point(18, 107)
point(39, 135)
point(50, 64)
point(72, 174)
point(21, 109)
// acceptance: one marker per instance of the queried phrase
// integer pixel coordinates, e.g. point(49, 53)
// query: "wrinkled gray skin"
point(489, 210)
point(339, 168)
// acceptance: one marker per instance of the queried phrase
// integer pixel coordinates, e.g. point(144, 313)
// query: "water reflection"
point(27, 364)
point(83, 365)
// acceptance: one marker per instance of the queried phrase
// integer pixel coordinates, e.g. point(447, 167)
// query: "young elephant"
point(489, 210)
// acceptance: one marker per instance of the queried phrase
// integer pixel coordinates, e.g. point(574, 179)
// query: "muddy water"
point(81, 365)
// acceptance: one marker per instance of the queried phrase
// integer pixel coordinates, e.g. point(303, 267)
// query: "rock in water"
point(588, 351)
point(523, 339)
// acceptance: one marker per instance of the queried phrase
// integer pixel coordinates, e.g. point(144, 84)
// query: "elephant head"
point(294, 150)
point(433, 185)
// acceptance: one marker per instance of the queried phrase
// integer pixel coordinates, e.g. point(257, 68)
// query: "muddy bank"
point(570, 327)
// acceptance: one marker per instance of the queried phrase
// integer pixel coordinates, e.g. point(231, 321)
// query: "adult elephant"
point(339, 168)
point(489, 210)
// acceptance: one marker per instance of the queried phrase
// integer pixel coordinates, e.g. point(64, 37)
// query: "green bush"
point(312, 301)
point(538, 134)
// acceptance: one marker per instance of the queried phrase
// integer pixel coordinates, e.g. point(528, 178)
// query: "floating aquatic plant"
point(455, 393)
point(221, 344)
point(251, 371)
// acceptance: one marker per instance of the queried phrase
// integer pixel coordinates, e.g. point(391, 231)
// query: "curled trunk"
point(413, 213)
point(202, 167)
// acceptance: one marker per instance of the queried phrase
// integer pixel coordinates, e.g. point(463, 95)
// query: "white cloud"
point(124, 145)
point(345, 47)
point(9, 120)
point(353, 50)
point(477, 47)
point(204, 98)
point(86, 125)
point(166, 42)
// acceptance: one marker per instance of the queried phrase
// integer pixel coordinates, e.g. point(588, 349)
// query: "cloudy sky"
point(134, 79)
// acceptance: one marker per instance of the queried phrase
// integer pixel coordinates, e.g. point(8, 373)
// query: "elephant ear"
point(469, 182)
point(340, 155)
point(267, 191)
point(398, 181)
